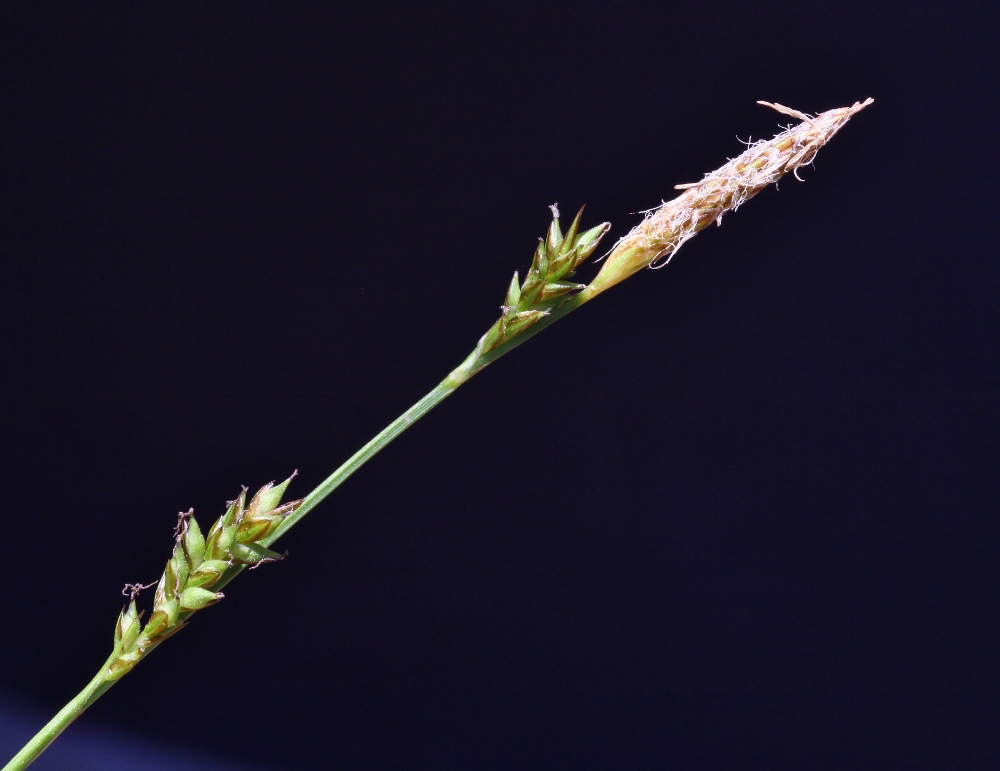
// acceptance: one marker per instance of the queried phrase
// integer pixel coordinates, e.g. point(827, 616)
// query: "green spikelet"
point(556, 257)
point(196, 563)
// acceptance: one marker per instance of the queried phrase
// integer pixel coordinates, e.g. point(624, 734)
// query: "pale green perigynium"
point(201, 565)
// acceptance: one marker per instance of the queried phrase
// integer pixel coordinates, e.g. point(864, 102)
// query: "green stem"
point(91, 693)
point(437, 395)
point(473, 364)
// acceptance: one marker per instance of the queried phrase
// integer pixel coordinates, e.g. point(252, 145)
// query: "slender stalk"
point(473, 364)
point(91, 693)
point(437, 395)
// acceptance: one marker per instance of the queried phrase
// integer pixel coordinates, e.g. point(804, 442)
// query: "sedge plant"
point(203, 561)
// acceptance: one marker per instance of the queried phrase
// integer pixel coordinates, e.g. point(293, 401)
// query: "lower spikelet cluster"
point(658, 237)
point(198, 562)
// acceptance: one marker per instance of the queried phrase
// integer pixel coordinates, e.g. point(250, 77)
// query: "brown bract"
point(658, 237)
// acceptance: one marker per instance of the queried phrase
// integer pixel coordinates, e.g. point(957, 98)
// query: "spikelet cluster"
point(545, 286)
point(658, 237)
point(198, 562)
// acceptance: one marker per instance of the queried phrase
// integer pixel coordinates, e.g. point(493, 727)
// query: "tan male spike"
point(666, 228)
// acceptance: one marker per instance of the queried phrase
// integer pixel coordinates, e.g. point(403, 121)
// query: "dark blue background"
point(737, 513)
